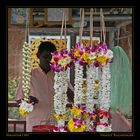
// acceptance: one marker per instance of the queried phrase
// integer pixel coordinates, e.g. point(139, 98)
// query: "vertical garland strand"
point(26, 107)
point(60, 86)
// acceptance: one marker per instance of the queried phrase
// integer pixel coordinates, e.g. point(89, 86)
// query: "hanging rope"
point(27, 26)
point(81, 25)
point(102, 26)
point(65, 33)
point(91, 26)
point(62, 29)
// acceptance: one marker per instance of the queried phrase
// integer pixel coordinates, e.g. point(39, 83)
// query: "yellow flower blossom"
point(64, 62)
point(94, 117)
point(73, 128)
point(102, 59)
point(76, 53)
point(86, 115)
point(23, 112)
point(76, 111)
point(59, 117)
point(85, 56)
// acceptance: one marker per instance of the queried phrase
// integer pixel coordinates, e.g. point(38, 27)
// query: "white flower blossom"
point(27, 106)
point(60, 97)
point(78, 84)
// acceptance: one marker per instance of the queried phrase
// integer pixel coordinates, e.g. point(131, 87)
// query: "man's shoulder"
point(35, 70)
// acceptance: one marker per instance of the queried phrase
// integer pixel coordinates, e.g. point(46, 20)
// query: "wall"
point(15, 40)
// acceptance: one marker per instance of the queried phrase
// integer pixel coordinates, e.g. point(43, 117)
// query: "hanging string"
point(102, 26)
point(28, 32)
point(81, 25)
point(65, 33)
point(104, 29)
point(91, 26)
point(61, 30)
point(27, 25)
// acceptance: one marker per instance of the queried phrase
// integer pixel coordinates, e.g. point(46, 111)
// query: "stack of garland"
point(61, 60)
point(26, 106)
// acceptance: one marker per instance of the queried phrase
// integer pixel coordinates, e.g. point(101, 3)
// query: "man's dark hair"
point(46, 46)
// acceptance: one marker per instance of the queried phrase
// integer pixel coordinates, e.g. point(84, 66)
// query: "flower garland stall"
point(97, 56)
point(26, 105)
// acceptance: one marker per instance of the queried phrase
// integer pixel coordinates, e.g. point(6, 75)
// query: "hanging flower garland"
point(105, 57)
point(60, 62)
point(75, 123)
point(26, 105)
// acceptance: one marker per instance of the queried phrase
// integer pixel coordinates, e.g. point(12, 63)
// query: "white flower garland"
point(92, 75)
point(90, 89)
point(78, 84)
point(60, 97)
point(104, 98)
point(26, 70)
point(26, 107)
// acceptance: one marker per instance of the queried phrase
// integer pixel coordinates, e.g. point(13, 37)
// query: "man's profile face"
point(45, 58)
